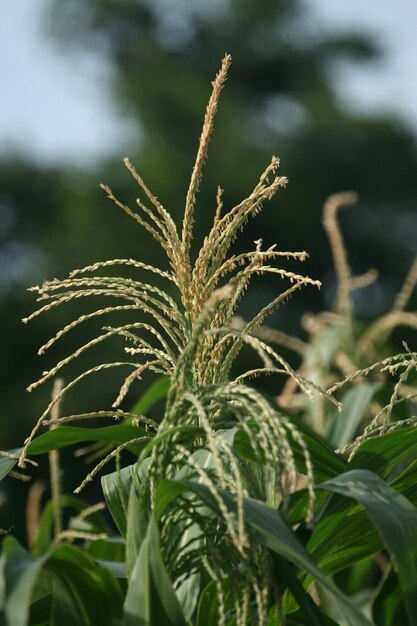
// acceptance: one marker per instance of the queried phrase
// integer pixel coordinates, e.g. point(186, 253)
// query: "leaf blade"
point(396, 520)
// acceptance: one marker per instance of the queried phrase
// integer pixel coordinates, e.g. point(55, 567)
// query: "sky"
point(390, 84)
point(55, 106)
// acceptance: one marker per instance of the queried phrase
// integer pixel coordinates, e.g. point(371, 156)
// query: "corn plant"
point(343, 353)
point(235, 511)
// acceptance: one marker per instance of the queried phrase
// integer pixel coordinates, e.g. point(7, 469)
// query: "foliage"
point(235, 511)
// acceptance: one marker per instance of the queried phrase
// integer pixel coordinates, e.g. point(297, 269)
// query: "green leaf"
point(339, 520)
point(68, 435)
point(109, 549)
point(309, 611)
point(188, 538)
point(18, 574)
point(151, 599)
point(385, 453)
point(188, 591)
point(396, 520)
point(116, 568)
point(298, 505)
point(268, 528)
point(295, 619)
point(40, 611)
point(7, 463)
point(167, 492)
point(116, 489)
point(346, 423)
point(326, 462)
point(388, 608)
point(84, 593)
point(157, 391)
point(138, 511)
point(44, 537)
point(208, 606)
point(78, 590)
point(192, 431)
point(109, 553)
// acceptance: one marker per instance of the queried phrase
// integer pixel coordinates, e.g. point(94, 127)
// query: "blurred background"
point(329, 87)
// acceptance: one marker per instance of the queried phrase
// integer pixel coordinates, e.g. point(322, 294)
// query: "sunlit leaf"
point(396, 520)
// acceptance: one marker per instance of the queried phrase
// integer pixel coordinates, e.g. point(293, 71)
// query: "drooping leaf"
point(331, 541)
point(109, 553)
point(396, 520)
point(78, 591)
point(167, 492)
point(68, 435)
point(298, 505)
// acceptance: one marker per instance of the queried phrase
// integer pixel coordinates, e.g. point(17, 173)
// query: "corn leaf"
point(268, 528)
point(396, 520)
point(151, 599)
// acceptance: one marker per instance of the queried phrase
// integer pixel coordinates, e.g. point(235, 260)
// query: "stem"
point(55, 475)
